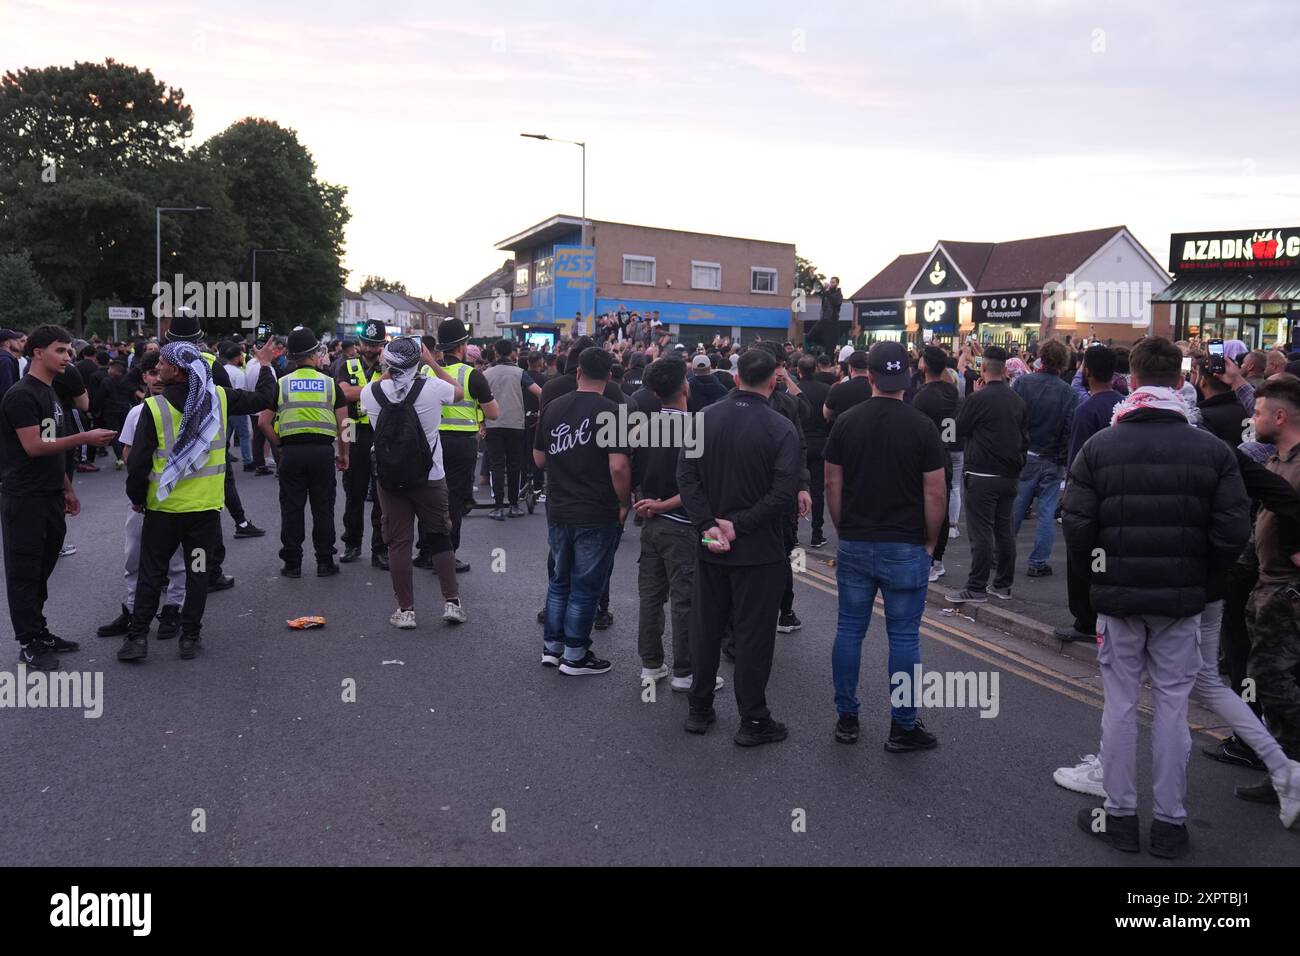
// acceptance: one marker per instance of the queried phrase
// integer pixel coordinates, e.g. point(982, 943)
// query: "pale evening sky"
point(855, 130)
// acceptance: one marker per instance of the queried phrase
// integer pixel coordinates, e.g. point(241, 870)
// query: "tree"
point(24, 302)
point(273, 189)
point(806, 276)
point(380, 284)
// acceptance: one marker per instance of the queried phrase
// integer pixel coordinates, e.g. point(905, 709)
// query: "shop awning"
point(1277, 287)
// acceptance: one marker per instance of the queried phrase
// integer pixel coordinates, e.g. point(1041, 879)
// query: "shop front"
point(1236, 284)
point(1008, 319)
point(879, 322)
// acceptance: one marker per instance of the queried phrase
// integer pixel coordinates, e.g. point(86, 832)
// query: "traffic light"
point(358, 328)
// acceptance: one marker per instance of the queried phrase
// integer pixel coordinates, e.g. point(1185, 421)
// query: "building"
point(485, 306)
point(1097, 283)
point(396, 311)
point(1236, 284)
point(352, 312)
point(429, 313)
point(700, 284)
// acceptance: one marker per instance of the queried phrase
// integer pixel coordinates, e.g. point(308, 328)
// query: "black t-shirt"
point(884, 447)
point(30, 403)
point(568, 383)
point(845, 395)
point(938, 402)
point(579, 489)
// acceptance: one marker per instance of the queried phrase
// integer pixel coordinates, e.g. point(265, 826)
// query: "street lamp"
point(583, 147)
point(157, 248)
point(255, 252)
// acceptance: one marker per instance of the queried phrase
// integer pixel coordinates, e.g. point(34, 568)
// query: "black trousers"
point(746, 597)
point(233, 504)
point(531, 472)
point(259, 447)
point(505, 449)
point(1078, 580)
point(33, 530)
point(817, 489)
point(356, 484)
point(459, 455)
point(197, 533)
point(306, 474)
point(988, 522)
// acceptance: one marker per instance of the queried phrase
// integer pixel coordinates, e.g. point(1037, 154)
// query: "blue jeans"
point(1042, 479)
point(239, 425)
point(582, 556)
point(902, 573)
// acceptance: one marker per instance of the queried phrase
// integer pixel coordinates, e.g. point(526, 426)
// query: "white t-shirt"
point(236, 375)
point(428, 406)
point(127, 435)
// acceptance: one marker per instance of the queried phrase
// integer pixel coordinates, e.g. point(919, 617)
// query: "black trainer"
point(497, 514)
point(58, 644)
point(905, 741)
point(752, 733)
point(422, 560)
point(37, 656)
point(551, 658)
point(248, 530)
point(169, 622)
point(133, 649)
point(541, 616)
point(818, 541)
point(262, 470)
point(221, 582)
point(603, 620)
point(698, 723)
point(591, 664)
point(1261, 792)
point(325, 568)
point(846, 729)
point(787, 622)
point(1120, 832)
point(1236, 752)
point(190, 647)
point(1167, 840)
point(350, 554)
point(116, 627)
point(515, 511)
point(291, 571)
point(1039, 571)
point(378, 560)
point(461, 566)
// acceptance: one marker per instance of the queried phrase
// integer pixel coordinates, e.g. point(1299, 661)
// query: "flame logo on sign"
point(1267, 245)
point(937, 274)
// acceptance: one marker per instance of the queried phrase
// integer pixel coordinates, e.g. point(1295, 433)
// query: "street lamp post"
point(157, 248)
point(584, 239)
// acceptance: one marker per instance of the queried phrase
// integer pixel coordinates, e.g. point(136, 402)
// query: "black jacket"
point(748, 474)
point(705, 390)
point(794, 408)
point(238, 402)
point(1223, 415)
point(993, 426)
point(1165, 504)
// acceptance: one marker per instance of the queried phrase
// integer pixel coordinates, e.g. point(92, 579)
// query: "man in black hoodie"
point(1221, 411)
point(705, 387)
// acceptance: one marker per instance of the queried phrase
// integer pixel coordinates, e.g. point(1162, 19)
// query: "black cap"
point(857, 359)
point(451, 333)
point(184, 328)
point(889, 366)
point(302, 342)
point(373, 332)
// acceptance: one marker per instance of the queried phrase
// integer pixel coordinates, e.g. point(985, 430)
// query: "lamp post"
point(256, 297)
point(583, 147)
point(157, 247)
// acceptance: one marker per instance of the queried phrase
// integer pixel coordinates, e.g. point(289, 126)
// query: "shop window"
point(762, 279)
point(1211, 310)
point(1232, 308)
point(521, 282)
point(543, 271)
point(706, 275)
point(638, 270)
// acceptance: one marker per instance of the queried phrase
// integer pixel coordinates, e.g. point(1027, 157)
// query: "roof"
point(893, 281)
point(394, 300)
point(1234, 287)
point(503, 278)
point(996, 266)
point(549, 230)
point(349, 294)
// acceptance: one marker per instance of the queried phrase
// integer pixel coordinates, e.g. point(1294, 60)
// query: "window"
point(542, 271)
point(762, 279)
point(639, 270)
point(706, 275)
point(521, 282)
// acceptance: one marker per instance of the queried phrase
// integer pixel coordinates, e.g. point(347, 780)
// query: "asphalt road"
point(469, 752)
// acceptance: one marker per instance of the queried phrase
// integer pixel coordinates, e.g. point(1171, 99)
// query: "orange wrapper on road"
point(301, 623)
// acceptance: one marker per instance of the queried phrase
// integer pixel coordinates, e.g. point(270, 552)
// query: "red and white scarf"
point(1149, 396)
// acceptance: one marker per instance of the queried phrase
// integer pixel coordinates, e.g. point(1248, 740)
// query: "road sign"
point(127, 313)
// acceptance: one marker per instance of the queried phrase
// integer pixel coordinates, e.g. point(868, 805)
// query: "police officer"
point(354, 375)
point(460, 425)
point(175, 475)
point(185, 328)
point(309, 416)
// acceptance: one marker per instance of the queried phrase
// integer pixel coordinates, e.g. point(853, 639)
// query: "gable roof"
point(893, 281)
point(503, 278)
point(393, 300)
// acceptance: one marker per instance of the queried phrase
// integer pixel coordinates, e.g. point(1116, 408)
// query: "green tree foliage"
point(380, 284)
point(806, 276)
point(24, 303)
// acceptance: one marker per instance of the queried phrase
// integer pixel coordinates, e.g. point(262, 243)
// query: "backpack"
point(403, 457)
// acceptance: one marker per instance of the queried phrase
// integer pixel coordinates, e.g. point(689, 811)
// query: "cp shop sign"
point(575, 265)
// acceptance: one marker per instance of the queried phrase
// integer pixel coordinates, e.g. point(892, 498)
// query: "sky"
point(857, 131)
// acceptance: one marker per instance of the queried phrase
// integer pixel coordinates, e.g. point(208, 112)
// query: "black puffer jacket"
point(1165, 503)
point(1223, 415)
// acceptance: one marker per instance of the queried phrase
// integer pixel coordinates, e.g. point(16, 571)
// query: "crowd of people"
point(1173, 474)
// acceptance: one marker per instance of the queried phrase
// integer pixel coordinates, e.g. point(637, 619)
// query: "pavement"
point(461, 749)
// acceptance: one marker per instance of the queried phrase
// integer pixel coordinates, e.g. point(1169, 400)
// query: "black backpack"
point(402, 454)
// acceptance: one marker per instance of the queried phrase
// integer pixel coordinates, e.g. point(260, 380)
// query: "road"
point(469, 752)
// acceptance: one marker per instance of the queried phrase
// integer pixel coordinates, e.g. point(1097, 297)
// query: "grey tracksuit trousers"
point(175, 570)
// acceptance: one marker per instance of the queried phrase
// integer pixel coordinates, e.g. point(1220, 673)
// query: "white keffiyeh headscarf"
point(200, 420)
point(402, 359)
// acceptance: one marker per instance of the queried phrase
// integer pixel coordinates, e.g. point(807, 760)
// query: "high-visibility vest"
point(465, 415)
point(202, 490)
point(357, 373)
point(209, 358)
point(306, 404)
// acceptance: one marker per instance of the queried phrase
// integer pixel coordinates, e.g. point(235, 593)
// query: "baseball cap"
point(701, 361)
point(889, 368)
point(858, 359)
point(845, 353)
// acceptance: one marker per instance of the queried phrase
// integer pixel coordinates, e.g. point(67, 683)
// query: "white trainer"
point(937, 570)
point(682, 685)
point(954, 532)
point(1287, 785)
point(655, 673)
point(403, 619)
point(1083, 777)
point(454, 613)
